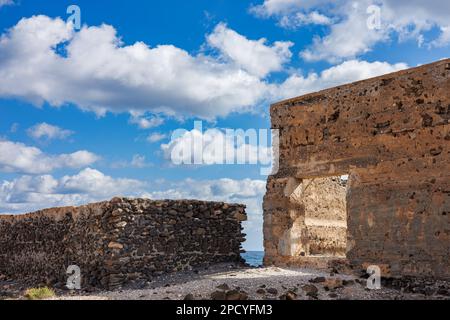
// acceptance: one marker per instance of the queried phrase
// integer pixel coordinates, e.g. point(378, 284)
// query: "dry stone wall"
point(391, 135)
point(120, 241)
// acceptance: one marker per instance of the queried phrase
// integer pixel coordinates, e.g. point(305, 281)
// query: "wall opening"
point(321, 231)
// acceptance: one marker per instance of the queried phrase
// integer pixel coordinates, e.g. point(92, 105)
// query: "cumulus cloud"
point(6, 2)
point(14, 127)
point(256, 57)
point(30, 193)
point(301, 19)
point(146, 122)
point(216, 146)
point(48, 131)
point(444, 38)
point(20, 158)
point(93, 182)
point(156, 137)
point(350, 35)
point(44, 60)
point(228, 190)
point(138, 162)
point(279, 7)
point(347, 39)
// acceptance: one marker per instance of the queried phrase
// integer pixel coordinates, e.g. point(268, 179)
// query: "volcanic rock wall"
point(119, 241)
point(391, 135)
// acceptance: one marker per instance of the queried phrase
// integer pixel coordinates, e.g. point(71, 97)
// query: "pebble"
point(310, 290)
point(272, 291)
point(189, 297)
point(223, 287)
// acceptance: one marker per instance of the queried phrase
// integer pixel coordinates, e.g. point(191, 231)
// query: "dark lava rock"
point(429, 291)
point(189, 297)
point(244, 296)
point(218, 295)
point(233, 295)
point(272, 291)
point(261, 291)
point(348, 282)
point(6, 295)
point(310, 290)
point(318, 280)
point(443, 292)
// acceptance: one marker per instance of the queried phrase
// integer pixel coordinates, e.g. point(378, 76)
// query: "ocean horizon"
point(254, 258)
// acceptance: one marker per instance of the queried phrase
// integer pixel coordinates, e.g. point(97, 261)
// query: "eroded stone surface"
point(391, 135)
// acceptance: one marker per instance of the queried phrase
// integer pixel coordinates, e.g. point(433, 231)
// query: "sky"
point(92, 104)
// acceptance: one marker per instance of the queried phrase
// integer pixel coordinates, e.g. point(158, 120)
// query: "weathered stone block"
point(391, 135)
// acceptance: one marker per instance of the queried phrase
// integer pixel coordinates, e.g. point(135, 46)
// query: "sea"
point(254, 258)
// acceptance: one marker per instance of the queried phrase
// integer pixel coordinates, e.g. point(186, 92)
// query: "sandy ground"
point(259, 284)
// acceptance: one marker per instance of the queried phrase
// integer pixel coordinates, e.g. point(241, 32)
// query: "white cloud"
point(30, 193)
point(6, 2)
point(14, 127)
point(95, 183)
point(146, 122)
point(48, 131)
point(96, 72)
point(347, 39)
point(349, 35)
point(444, 38)
point(256, 57)
point(156, 137)
point(215, 146)
point(282, 7)
point(227, 190)
point(343, 73)
point(17, 157)
point(299, 19)
point(138, 161)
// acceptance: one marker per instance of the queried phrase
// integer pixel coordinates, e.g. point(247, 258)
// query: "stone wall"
point(391, 135)
point(120, 241)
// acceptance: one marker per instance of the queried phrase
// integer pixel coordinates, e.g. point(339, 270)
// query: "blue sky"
point(88, 114)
